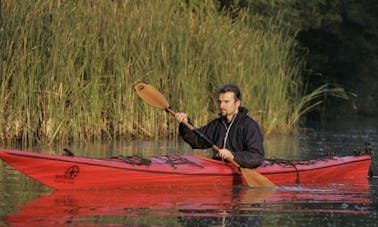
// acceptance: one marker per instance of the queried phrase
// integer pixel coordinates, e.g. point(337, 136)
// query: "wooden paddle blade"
point(255, 179)
point(151, 96)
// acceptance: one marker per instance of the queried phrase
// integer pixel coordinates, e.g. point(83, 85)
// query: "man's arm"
point(254, 154)
point(189, 136)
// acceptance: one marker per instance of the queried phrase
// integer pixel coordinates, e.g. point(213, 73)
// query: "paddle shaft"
point(202, 136)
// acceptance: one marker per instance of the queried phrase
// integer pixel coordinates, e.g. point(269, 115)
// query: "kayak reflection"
point(188, 205)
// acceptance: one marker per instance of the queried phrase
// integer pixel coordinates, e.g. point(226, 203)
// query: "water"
point(24, 202)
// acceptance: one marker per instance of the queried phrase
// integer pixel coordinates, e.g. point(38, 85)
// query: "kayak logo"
point(69, 176)
point(72, 172)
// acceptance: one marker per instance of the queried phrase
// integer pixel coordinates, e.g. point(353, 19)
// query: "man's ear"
point(238, 103)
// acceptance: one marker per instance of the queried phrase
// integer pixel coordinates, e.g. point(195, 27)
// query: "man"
point(236, 133)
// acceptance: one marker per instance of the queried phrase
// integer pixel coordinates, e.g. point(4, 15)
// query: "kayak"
point(71, 172)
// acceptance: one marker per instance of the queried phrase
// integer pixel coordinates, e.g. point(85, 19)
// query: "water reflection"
point(74, 206)
point(188, 205)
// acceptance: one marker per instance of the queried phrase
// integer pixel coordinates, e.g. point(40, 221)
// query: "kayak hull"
point(348, 169)
point(63, 172)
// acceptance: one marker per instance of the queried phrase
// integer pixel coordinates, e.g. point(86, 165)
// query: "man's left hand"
point(226, 154)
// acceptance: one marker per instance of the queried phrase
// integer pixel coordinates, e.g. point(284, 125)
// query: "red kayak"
point(65, 172)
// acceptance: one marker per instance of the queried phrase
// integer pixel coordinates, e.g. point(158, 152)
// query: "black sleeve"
point(253, 154)
point(192, 139)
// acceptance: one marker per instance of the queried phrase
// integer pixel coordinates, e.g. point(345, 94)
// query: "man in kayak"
point(236, 133)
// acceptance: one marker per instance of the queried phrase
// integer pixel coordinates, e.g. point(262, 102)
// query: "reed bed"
point(68, 69)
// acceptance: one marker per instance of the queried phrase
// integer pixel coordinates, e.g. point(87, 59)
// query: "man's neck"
point(231, 117)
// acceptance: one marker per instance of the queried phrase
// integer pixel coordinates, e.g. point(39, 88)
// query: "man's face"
point(227, 104)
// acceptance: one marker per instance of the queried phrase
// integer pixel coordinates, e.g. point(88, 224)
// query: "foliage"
point(348, 55)
point(296, 15)
point(340, 37)
point(68, 68)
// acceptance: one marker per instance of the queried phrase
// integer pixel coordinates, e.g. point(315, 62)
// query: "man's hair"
point(230, 88)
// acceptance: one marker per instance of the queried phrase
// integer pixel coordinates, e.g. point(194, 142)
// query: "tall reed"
point(68, 69)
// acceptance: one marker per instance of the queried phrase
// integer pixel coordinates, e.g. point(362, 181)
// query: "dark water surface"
point(24, 202)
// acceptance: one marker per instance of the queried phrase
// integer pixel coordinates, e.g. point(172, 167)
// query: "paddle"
point(153, 97)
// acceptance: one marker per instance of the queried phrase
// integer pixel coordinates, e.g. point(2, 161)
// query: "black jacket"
point(244, 140)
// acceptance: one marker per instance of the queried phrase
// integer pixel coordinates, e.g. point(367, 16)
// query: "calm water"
point(24, 202)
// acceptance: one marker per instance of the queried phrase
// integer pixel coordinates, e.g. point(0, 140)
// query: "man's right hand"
point(182, 117)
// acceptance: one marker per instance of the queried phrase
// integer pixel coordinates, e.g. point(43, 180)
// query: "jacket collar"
point(241, 113)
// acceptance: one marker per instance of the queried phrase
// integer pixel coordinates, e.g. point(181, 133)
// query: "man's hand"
point(181, 117)
point(226, 154)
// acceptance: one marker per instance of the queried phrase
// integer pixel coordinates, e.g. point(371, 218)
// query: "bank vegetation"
point(67, 69)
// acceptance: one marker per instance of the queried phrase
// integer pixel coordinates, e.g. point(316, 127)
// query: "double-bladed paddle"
point(153, 97)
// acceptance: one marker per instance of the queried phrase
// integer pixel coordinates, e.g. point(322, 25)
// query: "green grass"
point(68, 69)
